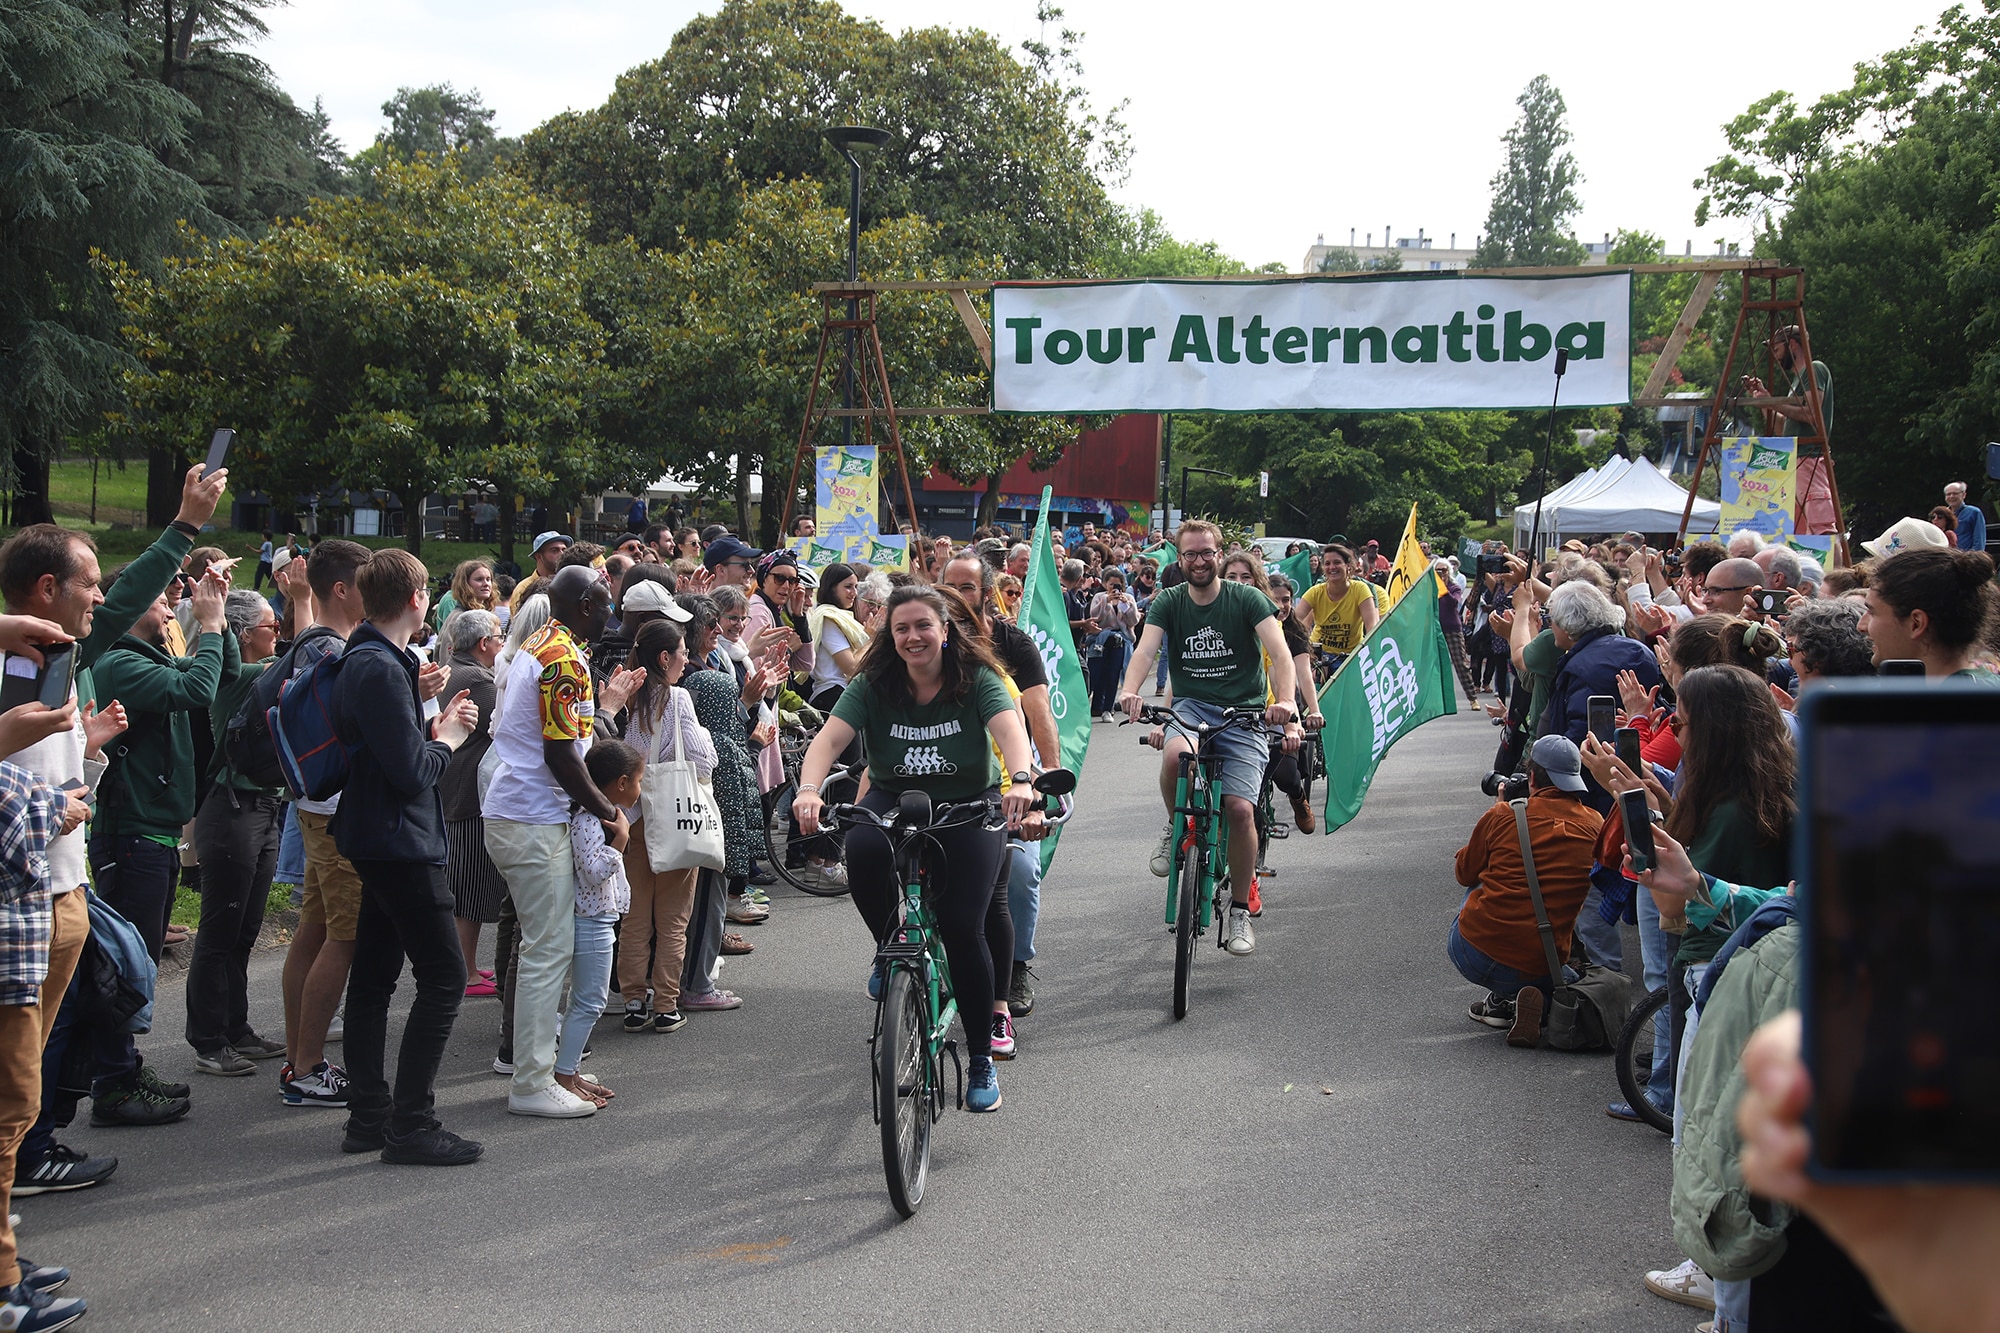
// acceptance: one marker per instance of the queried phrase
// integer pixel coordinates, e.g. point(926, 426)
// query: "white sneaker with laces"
point(555, 1102)
point(1684, 1283)
point(832, 872)
point(1163, 855)
point(1241, 939)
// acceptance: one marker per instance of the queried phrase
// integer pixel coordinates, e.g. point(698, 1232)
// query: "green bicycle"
point(914, 1014)
point(1198, 889)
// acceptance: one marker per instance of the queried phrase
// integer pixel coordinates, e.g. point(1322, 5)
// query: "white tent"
point(1621, 496)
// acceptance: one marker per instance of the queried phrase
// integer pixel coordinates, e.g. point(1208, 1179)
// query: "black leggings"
point(968, 897)
point(1283, 770)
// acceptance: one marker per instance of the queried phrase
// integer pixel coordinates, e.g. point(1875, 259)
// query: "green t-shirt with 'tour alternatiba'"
point(939, 747)
point(1212, 651)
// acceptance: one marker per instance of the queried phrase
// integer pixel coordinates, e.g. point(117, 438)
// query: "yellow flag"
point(1412, 565)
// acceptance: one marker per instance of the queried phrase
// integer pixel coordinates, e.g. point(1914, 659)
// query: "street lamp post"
point(845, 139)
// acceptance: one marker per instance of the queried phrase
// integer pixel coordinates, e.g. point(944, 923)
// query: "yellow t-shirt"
point(1337, 624)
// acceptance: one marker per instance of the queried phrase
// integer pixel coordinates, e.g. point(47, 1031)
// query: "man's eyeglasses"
point(1742, 587)
point(1204, 553)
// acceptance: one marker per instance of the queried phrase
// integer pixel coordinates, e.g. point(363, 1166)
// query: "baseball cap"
point(728, 548)
point(545, 538)
point(647, 595)
point(1560, 759)
point(1908, 534)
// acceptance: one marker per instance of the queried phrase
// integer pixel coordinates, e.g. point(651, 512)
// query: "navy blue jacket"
point(390, 809)
point(1591, 666)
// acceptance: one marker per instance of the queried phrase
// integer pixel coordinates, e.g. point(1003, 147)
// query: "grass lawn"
point(121, 532)
point(187, 905)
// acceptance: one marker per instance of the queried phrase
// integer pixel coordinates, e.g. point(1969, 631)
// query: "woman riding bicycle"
point(925, 699)
point(1283, 771)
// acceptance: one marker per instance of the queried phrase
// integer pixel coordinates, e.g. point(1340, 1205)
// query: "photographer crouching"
point(1495, 942)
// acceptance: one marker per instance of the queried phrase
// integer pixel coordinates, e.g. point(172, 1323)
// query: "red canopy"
point(1120, 462)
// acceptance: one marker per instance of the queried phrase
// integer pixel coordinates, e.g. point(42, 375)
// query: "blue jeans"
point(291, 851)
point(589, 984)
point(1600, 937)
point(1024, 898)
point(1476, 966)
point(1732, 1307)
point(1107, 669)
point(1656, 949)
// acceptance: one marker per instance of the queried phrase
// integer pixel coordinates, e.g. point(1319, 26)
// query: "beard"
point(1199, 576)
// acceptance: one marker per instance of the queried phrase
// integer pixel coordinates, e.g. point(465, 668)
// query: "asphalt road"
point(1326, 1141)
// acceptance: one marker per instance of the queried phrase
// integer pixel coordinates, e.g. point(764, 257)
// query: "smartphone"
point(22, 681)
point(1900, 666)
point(1638, 829)
point(218, 449)
point(1603, 716)
point(1773, 603)
point(1626, 743)
point(1897, 848)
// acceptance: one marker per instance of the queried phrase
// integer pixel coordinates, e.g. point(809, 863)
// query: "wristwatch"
point(1022, 778)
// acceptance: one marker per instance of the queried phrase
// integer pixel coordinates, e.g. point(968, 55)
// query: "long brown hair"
point(1249, 559)
point(961, 657)
point(1735, 746)
point(1718, 640)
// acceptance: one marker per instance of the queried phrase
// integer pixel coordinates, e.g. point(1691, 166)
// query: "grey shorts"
point(1243, 753)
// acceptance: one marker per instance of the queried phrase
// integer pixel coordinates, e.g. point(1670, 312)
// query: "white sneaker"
point(1685, 1283)
point(1241, 939)
point(1163, 855)
point(832, 872)
point(555, 1102)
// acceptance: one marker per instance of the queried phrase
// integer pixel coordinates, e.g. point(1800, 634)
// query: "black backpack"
point(248, 744)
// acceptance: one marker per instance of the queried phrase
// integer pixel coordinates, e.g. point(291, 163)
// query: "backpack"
point(314, 758)
point(1586, 1014)
point(247, 744)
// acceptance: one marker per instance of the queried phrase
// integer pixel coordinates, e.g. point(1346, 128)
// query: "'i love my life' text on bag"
point(683, 828)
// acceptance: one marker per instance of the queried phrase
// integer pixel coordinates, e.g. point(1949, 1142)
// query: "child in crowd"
point(602, 897)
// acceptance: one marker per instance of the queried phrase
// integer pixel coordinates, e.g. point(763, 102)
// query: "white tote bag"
point(683, 826)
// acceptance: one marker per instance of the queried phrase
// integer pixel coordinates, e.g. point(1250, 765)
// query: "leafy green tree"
point(83, 151)
point(1339, 259)
point(432, 335)
point(1002, 159)
point(1534, 192)
point(1137, 244)
point(438, 119)
point(1884, 193)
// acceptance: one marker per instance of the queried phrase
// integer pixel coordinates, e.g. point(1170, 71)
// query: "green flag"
point(1045, 620)
point(1161, 555)
point(1400, 678)
point(1298, 568)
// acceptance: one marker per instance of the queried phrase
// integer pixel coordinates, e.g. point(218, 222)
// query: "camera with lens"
point(1505, 786)
point(1492, 564)
point(1672, 560)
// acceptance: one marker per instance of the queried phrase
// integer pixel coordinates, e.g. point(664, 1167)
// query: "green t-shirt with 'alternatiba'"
point(1212, 651)
point(939, 747)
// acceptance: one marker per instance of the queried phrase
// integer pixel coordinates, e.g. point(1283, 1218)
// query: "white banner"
point(1411, 341)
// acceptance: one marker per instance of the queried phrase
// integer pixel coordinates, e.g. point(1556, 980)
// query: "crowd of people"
point(506, 746)
point(1706, 650)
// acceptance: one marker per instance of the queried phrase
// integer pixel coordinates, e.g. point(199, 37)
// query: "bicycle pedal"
point(1281, 830)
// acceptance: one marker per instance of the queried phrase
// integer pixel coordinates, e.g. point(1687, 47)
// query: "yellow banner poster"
point(844, 513)
point(1412, 565)
point(1757, 475)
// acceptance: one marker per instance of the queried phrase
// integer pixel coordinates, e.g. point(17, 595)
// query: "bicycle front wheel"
point(1636, 1045)
point(1187, 924)
point(816, 864)
point(903, 1075)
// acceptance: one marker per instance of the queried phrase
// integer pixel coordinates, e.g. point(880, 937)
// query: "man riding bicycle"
point(1217, 635)
point(1341, 609)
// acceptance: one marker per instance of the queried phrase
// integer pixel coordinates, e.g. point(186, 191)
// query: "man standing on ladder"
point(1788, 351)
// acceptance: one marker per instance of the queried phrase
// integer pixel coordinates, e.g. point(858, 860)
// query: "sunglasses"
point(782, 578)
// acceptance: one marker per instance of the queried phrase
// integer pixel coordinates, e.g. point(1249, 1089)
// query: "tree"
point(1003, 159)
point(1137, 244)
point(82, 169)
point(438, 119)
point(1883, 191)
point(1339, 259)
point(1534, 192)
point(432, 335)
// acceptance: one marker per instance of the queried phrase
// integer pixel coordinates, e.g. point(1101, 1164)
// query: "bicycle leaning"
point(1198, 882)
point(916, 1007)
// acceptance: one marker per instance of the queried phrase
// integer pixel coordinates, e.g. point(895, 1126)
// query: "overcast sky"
point(1259, 124)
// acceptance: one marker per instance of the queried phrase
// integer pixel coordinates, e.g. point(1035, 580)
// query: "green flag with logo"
point(1399, 679)
point(1044, 619)
point(1298, 568)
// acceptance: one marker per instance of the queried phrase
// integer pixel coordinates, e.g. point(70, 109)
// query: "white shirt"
point(826, 673)
point(523, 789)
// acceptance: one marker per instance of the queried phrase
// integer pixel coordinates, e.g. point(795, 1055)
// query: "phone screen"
point(218, 449)
point(1627, 745)
point(1603, 717)
point(1899, 861)
point(1638, 828)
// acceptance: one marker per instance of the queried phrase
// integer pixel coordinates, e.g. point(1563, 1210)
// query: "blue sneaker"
point(25, 1310)
point(43, 1277)
point(982, 1085)
point(878, 977)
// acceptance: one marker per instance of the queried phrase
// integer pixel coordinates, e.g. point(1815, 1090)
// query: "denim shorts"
point(1243, 753)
